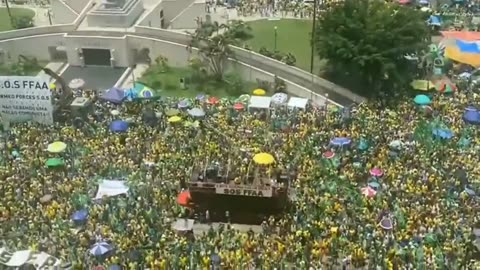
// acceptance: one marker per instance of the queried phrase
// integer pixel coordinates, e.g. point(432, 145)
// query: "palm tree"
point(213, 41)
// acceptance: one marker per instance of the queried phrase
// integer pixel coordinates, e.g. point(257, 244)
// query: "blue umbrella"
point(114, 267)
point(100, 249)
point(119, 126)
point(114, 95)
point(200, 97)
point(435, 20)
point(422, 100)
point(471, 116)
point(442, 133)
point(374, 184)
point(80, 215)
point(341, 141)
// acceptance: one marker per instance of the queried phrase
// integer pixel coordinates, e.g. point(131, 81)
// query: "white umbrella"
point(76, 83)
point(115, 112)
point(279, 98)
point(196, 112)
point(100, 249)
point(396, 144)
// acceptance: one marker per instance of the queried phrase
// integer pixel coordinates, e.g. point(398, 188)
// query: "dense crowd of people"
point(419, 211)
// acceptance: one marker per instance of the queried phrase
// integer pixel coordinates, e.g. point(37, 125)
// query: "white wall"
point(62, 14)
point(36, 46)
point(119, 44)
point(37, 40)
point(153, 17)
point(181, 38)
point(77, 5)
point(277, 67)
point(177, 55)
point(252, 74)
point(36, 31)
point(187, 19)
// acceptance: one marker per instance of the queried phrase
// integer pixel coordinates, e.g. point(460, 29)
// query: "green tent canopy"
point(54, 162)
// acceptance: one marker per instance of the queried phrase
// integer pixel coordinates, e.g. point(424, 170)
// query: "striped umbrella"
point(445, 87)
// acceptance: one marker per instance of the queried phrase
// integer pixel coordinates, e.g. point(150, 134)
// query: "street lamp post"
point(8, 11)
point(275, 43)
point(49, 15)
point(313, 34)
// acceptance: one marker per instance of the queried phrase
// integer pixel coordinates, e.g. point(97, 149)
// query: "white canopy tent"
point(296, 102)
point(259, 102)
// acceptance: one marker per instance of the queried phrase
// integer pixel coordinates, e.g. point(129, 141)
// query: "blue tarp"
point(435, 20)
point(468, 47)
point(114, 95)
point(442, 133)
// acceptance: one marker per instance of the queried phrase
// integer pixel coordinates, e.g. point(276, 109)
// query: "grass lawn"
point(5, 24)
point(169, 83)
point(293, 36)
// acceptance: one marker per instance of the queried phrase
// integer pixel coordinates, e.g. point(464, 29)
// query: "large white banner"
point(25, 98)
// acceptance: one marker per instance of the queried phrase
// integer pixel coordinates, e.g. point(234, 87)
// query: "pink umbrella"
point(368, 192)
point(329, 155)
point(213, 100)
point(376, 172)
point(238, 106)
point(404, 2)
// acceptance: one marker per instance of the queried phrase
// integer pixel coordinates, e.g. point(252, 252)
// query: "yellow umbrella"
point(259, 92)
point(53, 86)
point(56, 147)
point(263, 159)
point(422, 85)
point(174, 119)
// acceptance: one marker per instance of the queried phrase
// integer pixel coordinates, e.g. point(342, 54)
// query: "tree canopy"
point(366, 40)
point(213, 41)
